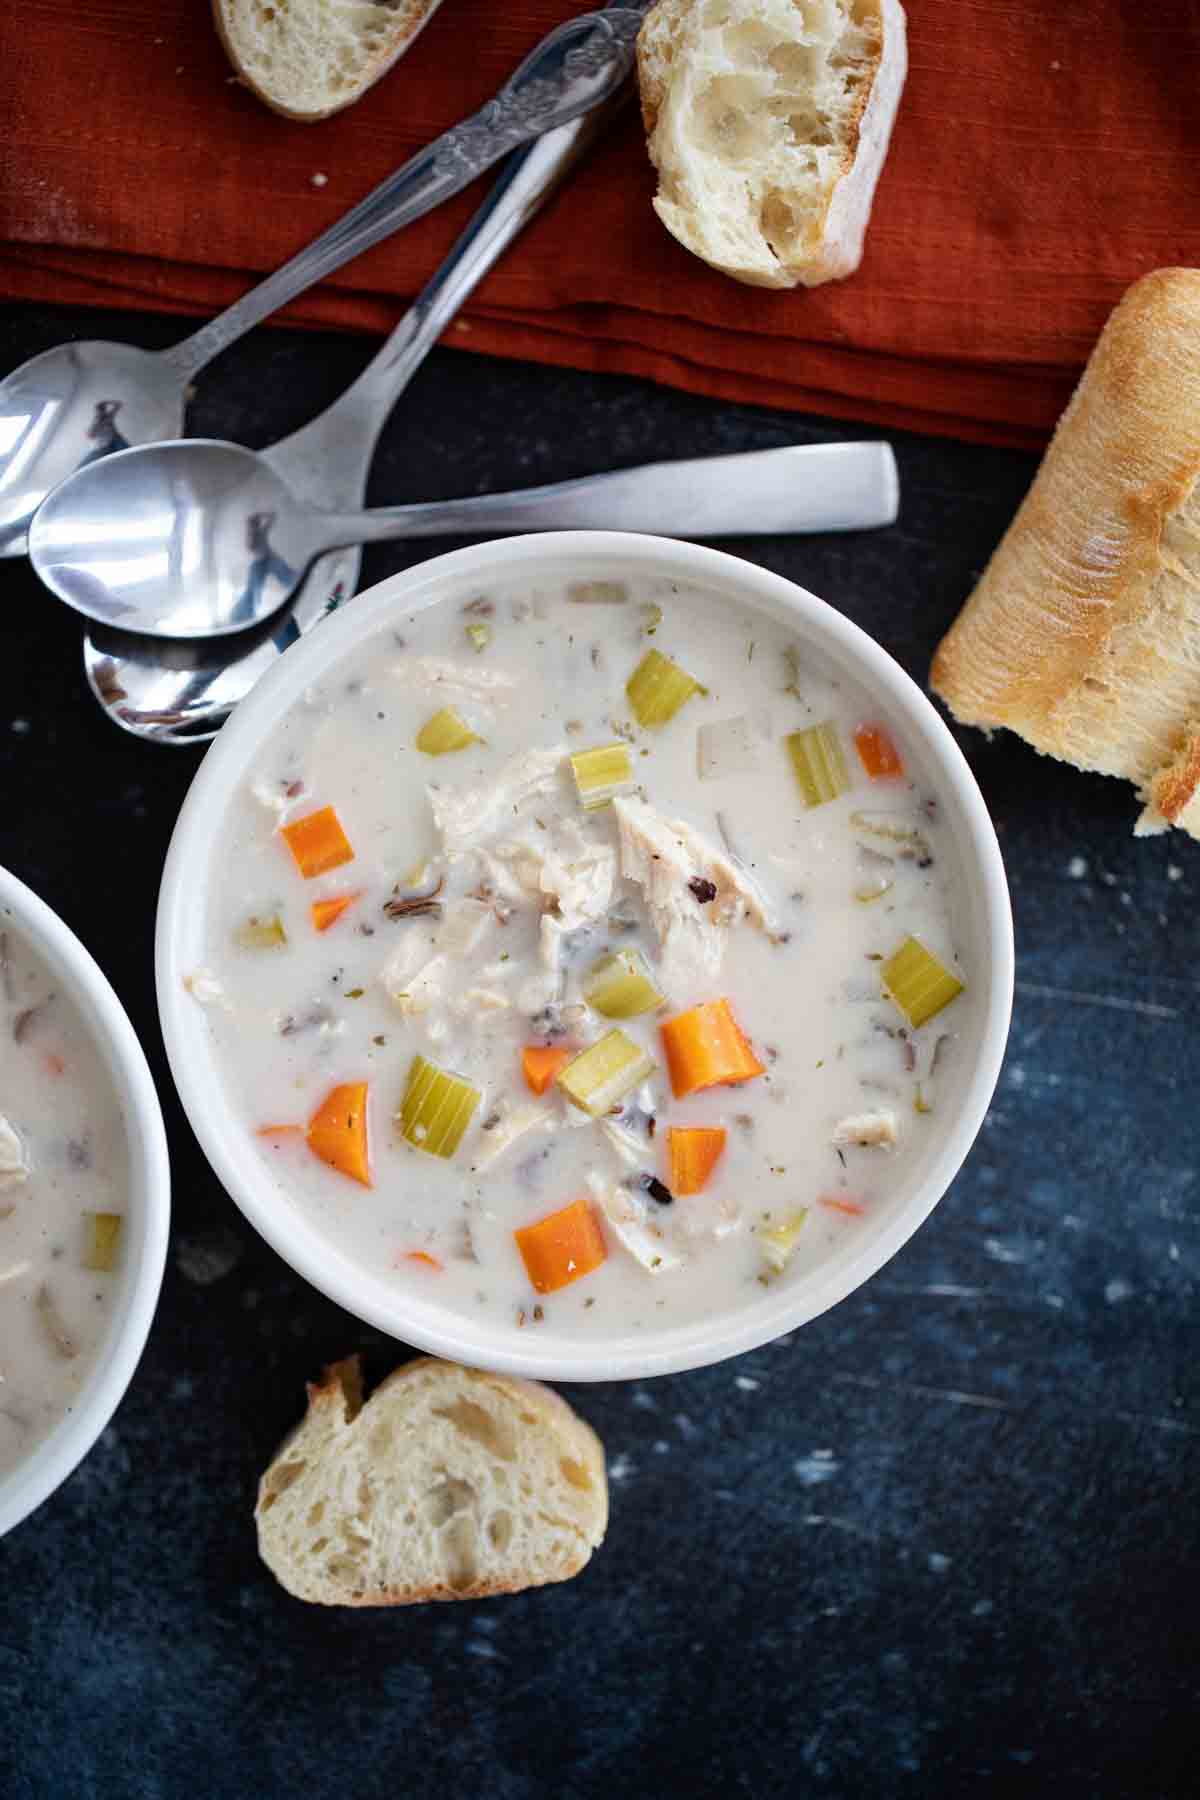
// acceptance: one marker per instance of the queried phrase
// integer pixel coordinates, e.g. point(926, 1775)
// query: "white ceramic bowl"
point(986, 938)
point(147, 1204)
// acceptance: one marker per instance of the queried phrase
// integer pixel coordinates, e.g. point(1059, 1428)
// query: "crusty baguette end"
point(448, 1483)
point(307, 59)
point(1083, 633)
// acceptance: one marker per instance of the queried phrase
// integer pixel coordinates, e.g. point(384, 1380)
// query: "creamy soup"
point(587, 956)
point(63, 1180)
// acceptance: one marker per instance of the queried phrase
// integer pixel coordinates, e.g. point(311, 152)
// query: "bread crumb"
point(320, 179)
point(1077, 868)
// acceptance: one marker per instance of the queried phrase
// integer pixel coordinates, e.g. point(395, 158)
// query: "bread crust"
point(1083, 633)
point(412, 16)
point(334, 1404)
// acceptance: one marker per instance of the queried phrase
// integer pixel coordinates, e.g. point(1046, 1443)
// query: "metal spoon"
point(79, 402)
point(198, 538)
point(182, 693)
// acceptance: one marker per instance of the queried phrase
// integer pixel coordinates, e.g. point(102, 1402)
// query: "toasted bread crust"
point(1083, 634)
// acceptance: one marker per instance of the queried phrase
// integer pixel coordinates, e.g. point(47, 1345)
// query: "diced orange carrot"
point(693, 1152)
point(561, 1247)
point(279, 1131)
point(318, 842)
point(327, 912)
point(55, 1064)
point(877, 753)
point(540, 1063)
point(706, 1047)
point(838, 1203)
point(337, 1131)
point(423, 1257)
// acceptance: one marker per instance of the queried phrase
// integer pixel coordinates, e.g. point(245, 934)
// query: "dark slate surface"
point(942, 1541)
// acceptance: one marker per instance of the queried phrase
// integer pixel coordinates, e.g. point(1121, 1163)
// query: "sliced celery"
point(102, 1236)
point(658, 688)
point(820, 767)
point(436, 1108)
point(601, 774)
point(603, 1074)
point(480, 635)
point(619, 986)
point(261, 933)
point(779, 1241)
point(918, 983)
point(446, 731)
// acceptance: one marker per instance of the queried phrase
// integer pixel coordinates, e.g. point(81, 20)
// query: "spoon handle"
point(182, 694)
point(575, 67)
point(805, 487)
point(312, 459)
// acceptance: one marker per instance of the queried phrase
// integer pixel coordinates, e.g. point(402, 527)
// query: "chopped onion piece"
point(726, 747)
point(779, 1241)
point(260, 932)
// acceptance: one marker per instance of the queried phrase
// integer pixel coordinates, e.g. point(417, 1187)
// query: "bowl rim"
point(59, 1453)
point(185, 882)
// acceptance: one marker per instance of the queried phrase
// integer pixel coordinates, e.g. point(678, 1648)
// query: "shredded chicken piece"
point(466, 816)
point(454, 679)
point(870, 1130)
point(513, 1126)
point(664, 856)
point(628, 1216)
point(631, 1149)
point(565, 872)
point(13, 1167)
point(482, 1000)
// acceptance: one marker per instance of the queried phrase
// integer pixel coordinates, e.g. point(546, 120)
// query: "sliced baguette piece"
point(310, 58)
point(1083, 634)
point(768, 122)
point(447, 1484)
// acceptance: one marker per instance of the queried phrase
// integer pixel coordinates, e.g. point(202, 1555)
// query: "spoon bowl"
point(79, 402)
point(196, 538)
point(67, 408)
point(188, 539)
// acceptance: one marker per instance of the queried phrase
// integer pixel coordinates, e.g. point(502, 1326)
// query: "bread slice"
point(768, 122)
point(448, 1484)
point(1083, 634)
point(310, 58)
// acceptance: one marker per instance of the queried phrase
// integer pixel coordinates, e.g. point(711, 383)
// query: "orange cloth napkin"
point(1045, 155)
